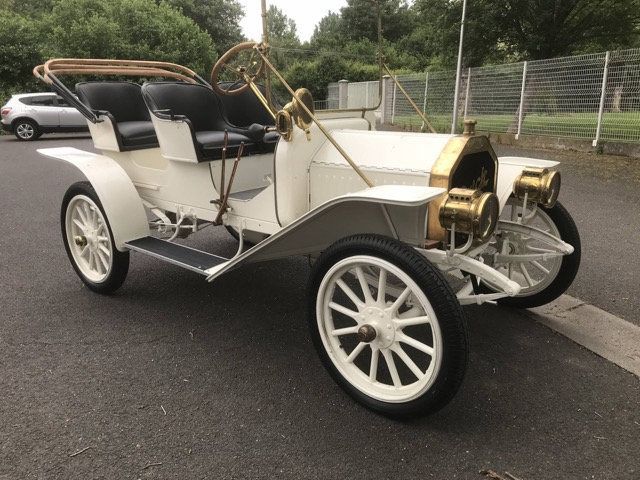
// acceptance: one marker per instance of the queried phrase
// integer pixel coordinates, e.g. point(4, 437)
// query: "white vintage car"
point(402, 228)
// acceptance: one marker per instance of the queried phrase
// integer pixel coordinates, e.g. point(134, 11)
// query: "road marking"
point(601, 332)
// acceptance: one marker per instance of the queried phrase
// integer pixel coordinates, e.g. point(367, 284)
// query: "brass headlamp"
point(294, 113)
point(540, 186)
point(472, 211)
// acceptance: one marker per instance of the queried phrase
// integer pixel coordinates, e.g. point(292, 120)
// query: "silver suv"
point(29, 115)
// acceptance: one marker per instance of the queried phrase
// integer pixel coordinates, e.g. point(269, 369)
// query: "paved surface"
point(232, 366)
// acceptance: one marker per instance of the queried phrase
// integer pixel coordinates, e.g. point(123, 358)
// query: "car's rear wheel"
point(89, 242)
point(387, 326)
point(26, 130)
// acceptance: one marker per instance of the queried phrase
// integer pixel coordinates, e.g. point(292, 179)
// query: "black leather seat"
point(201, 108)
point(244, 109)
point(123, 103)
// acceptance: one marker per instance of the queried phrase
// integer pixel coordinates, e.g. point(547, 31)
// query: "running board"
point(185, 257)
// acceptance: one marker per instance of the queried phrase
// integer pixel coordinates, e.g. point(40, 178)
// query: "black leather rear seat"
point(123, 103)
point(201, 108)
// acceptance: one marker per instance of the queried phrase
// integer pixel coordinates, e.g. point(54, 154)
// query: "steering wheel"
point(237, 62)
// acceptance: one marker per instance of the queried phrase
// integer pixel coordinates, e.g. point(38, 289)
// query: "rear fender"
point(120, 200)
point(508, 170)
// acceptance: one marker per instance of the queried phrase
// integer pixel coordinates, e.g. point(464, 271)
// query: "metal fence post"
point(466, 94)
point(424, 103)
point(393, 105)
point(343, 94)
point(522, 93)
point(603, 96)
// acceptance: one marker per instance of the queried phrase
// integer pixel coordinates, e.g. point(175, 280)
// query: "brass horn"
point(293, 112)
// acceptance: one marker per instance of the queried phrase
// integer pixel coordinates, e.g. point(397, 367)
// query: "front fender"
point(119, 198)
point(508, 170)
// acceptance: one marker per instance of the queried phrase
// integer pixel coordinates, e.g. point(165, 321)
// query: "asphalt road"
point(176, 378)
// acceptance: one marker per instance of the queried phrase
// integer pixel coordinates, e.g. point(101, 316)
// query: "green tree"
point(135, 29)
point(219, 18)
point(435, 39)
point(360, 19)
point(550, 28)
point(283, 31)
point(327, 34)
point(19, 52)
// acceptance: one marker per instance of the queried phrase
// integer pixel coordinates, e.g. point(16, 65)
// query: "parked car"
point(29, 115)
point(402, 228)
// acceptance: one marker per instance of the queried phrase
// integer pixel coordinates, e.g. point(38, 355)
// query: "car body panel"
point(121, 202)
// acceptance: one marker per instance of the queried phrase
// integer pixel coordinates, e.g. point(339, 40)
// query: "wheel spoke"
point(84, 250)
point(415, 344)
point(347, 290)
point(401, 299)
point(94, 217)
point(344, 310)
point(91, 260)
point(391, 365)
point(408, 322)
point(356, 351)
point(364, 285)
point(103, 239)
point(103, 260)
point(540, 267)
point(345, 331)
point(408, 362)
point(104, 249)
point(382, 286)
point(373, 366)
point(81, 214)
point(79, 224)
point(414, 311)
point(541, 250)
point(526, 275)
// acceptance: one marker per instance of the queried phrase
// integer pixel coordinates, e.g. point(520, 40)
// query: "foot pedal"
point(185, 257)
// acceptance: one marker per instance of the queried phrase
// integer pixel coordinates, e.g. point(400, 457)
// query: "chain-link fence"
point(593, 96)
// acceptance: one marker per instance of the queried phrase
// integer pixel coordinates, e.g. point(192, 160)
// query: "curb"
point(601, 332)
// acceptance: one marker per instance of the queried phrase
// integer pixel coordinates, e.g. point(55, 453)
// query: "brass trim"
point(85, 66)
point(441, 174)
point(540, 185)
point(473, 212)
point(284, 125)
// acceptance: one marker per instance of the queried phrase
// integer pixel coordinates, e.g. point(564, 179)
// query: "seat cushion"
point(210, 144)
point(137, 133)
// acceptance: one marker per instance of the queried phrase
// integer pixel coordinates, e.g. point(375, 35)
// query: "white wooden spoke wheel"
point(379, 329)
point(533, 275)
point(387, 326)
point(88, 238)
point(89, 242)
point(542, 279)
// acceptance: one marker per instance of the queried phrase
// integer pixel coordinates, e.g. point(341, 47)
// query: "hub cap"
point(88, 238)
point(25, 131)
point(379, 329)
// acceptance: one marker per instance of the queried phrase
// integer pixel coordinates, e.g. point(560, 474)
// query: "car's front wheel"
point(542, 280)
point(26, 130)
point(89, 241)
point(387, 326)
